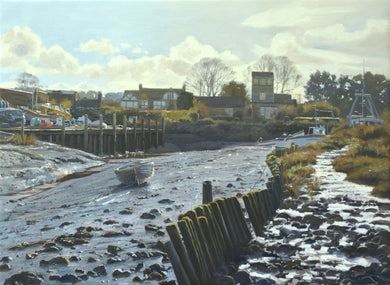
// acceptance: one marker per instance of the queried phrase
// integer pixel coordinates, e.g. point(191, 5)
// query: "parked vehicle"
point(11, 117)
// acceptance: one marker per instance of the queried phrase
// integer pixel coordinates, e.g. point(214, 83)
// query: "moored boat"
point(313, 135)
point(135, 173)
point(273, 142)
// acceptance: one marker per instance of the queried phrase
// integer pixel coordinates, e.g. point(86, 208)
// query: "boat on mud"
point(135, 173)
point(314, 134)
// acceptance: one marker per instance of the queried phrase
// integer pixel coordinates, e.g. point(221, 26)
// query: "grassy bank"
point(367, 160)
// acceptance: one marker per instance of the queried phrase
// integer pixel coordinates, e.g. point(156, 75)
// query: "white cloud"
point(103, 47)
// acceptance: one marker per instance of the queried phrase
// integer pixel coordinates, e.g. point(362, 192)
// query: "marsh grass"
point(26, 140)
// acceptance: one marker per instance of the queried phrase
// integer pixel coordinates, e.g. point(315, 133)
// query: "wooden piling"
point(22, 128)
point(207, 192)
point(125, 142)
point(63, 131)
point(135, 134)
point(114, 130)
point(86, 132)
point(101, 143)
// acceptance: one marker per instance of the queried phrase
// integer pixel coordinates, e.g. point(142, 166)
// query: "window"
point(144, 104)
point(263, 96)
point(158, 105)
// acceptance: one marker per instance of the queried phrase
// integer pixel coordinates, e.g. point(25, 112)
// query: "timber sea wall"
point(212, 234)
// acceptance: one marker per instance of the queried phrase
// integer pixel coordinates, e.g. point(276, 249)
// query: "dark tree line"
point(340, 92)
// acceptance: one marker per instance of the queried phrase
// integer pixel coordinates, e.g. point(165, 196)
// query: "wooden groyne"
point(102, 141)
point(212, 234)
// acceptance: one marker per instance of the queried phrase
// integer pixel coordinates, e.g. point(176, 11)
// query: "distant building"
point(60, 95)
point(224, 107)
point(89, 103)
point(264, 100)
point(18, 98)
point(151, 98)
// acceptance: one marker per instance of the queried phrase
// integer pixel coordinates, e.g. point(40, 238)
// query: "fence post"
point(114, 130)
point(22, 128)
point(101, 134)
point(86, 132)
point(63, 131)
point(125, 133)
point(207, 192)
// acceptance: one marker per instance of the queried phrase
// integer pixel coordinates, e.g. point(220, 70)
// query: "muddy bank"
point(92, 229)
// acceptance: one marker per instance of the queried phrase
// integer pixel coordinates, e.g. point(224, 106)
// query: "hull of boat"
point(300, 141)
point(136, 173)
point(279, 140)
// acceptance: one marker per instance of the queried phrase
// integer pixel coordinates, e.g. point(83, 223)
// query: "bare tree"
point(286, 75)
point(27, 81)
point(208, 77)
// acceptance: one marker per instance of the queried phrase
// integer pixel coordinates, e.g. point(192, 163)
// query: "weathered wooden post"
point(162, 131)
point(150, 134)
point(143, 133)
point(156, 144)
point(101, 134)
point(63, 131)
point(135, 133)
point(207, 192)
point(114, 130)
point(22, 128)
point(125, 132)
point(86, 132)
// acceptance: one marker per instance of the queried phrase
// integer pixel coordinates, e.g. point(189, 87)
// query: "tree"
point(208, 76)
point(234, 89)
point(286, 75)
point(27, 81)
point(321, 86)
point(185, 100)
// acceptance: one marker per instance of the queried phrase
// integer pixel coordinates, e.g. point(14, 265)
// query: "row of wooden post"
point(86, 141)
point(213, 233)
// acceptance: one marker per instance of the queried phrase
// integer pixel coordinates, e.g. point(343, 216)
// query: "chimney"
point(140, 87)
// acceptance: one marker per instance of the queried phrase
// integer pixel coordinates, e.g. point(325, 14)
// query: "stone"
point(148, 216)
point(242, 277)
point(100, 270)
point(119, 273)
point(58, 260)
point(69, 278)
point(166, 201)
point(127, 211)
point(113, 249)
point(5, 267)
point(113, 260)
point(6, 259)
point(110, 222)
point(91, 259)
point(75, 258)
point(55, 277)
point(136, 279)
point(24, 277)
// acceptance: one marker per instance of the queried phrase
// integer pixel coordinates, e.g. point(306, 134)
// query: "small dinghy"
point(135, 173)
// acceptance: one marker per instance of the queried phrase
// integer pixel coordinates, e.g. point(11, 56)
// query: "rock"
point(55, 277)
point(127, 211)
point(52, 248)
point(58, 260)
point(69, 278)
point(114, 234)
point(166, 201)
point(154, 228)
point(91, 259)
point(65, 224)
point(242, 277)
point(230, 185)
point(110, 222)
point(113, 260)
point(31, 255)
point(285, 250)
point(154, 267)
point(100, 270)
point(265, 281)
point(75, 258)
point(113, 249)
point(148, 216)
point(160, 233)
point(24, 277)
point(119, 273)
point(5, 267)
point(6, 259)
point(136, 279)
point(168, 221)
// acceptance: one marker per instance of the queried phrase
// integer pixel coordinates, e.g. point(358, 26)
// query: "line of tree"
point(340, 91)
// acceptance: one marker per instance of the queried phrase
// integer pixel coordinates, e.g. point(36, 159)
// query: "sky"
point(112, 46)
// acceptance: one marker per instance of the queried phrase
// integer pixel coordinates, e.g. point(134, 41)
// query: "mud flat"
point(93, 230)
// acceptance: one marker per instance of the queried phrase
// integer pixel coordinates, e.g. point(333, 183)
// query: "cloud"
point(103, 47)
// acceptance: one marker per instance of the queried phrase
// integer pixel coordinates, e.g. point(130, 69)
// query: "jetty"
point(98, 140)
